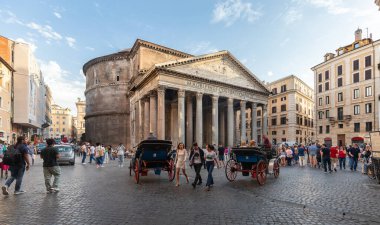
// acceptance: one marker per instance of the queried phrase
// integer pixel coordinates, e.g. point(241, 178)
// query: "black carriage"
point(257, 161)
point(152, 155)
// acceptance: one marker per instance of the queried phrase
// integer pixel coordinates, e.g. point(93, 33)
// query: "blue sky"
point(273, 38)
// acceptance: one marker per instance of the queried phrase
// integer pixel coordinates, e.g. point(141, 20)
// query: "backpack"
point(12, 157)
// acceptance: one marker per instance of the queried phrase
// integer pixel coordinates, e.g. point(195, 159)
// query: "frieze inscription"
point(219, 90)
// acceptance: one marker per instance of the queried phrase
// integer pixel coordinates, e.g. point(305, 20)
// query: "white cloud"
point(90, 48)
point(70, 41)
point(292, 15)
point(333, 6)
point(65, 87)
point(58, 15)
point(230, 11)
point(203, 47)
point(270, 73)
point(45, 30)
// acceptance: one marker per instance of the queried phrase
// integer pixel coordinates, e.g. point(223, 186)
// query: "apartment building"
point(347, 92)
point(61, 122)
point(6, 74)
point(291, 111)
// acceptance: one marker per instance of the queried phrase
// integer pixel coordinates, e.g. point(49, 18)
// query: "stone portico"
point(197, 100)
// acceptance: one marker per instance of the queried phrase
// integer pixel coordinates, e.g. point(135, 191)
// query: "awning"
point(357, 139)
point(328, 139)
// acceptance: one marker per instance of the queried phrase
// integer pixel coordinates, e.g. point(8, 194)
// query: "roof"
point(6, 64)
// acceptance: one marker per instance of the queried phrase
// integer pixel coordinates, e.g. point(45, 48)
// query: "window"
point(274, 91)
point(368, 91)
point(368, 74)
point(283, 88)
point(57, 130)
point(117, 78)
point(57, 122)
point(368, 61)
point(320, 88)
point(258, 123)
point(356, 77)
point(340, 113)
point(327, 129)
point(51, 129)
point(320, 77)
point(274, 109)
point(340, 82)
point(320, 129)
point(327, 75)
point(274, 101)
point(327, 86)
point(368, 108)
point(283, 120)
point(283, 98)
point(356, 127)
point(356, 109)
point(327, 114)
point(356, 93)
point(340, 96)
point(274, 132)
point(320, 115)
point(283, 108)
point(327, 101)
point(355, 65)
point(340, 70)
point(320, 102)
point(340, 126)
point(297, 107)
point(63, 129)
point(283, 132)
point(259, 113)
point(274, 121)
point(368, 126)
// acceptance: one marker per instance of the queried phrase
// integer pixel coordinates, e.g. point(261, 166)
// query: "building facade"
point(291, 111)
point(347, 92)
point(6, 75)
point(61, 123)
point(377, 2)
point(48, 115)
point(78, 120)
point(174, 95)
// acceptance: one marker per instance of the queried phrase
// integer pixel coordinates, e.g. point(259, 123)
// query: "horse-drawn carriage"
point(374, 166)
point(152, 155)
point(257, 161)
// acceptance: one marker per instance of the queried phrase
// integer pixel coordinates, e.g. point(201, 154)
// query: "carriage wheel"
point(231, 171)
point(171, 170)
point(137, 172)
point(276, 169)
point(261, 174)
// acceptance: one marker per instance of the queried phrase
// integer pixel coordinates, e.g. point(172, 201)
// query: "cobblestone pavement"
point(109, 196)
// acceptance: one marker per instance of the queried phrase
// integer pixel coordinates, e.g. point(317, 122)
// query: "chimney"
point(358, 34)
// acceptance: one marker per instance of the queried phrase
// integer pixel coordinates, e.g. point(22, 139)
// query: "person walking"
point(313, 155)
point(301, 155)
point(31, 150)
point(211, 160)
point(283, 156)
point(99, 152)
point(18, 169)
point(106, 155)
point(289, 156)
point(334, 157)
point(181, 156)
point(197, 160)
point(92, 153)
point(50, 166)
point(83, 150)
point(342, 153)
point(354, 157)
point(367, 153)
point(120, 154)
point(221, 155)
point(325, 156)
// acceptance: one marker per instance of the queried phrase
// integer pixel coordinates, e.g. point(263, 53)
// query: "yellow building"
point(6, 73)
point(291, 111)
point(62, 122)
point(78, 121)
point(347, 88)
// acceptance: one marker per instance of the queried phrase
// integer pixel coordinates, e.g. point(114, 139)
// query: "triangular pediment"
point(221, 67)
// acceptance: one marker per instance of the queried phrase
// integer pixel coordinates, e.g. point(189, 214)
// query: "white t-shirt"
point(210, 156)
point(120, 150)
point(92, 150)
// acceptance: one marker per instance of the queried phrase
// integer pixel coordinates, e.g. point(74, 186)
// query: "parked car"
point(40, 146)
point(67, 154)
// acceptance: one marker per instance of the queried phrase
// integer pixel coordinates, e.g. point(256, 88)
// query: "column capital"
point(254, 105)
point(242, 102)
point(153, 93)
point(161, 89)
point(181, 93)
point(230, 101)
point(199, 95)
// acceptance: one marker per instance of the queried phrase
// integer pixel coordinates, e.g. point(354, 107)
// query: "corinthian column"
point(181, 116)
point(265, 120)
point(230, 122)
point(199, 120)
point(243, 131)
point(215, 127)
point(189, 121)
point(254, 122)
point(146, 118)
point(161, 113)
point(153, 113)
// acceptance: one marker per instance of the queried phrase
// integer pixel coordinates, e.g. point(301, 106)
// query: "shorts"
point(221, 157)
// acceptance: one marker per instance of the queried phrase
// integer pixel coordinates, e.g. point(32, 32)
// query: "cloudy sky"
point(273, 38)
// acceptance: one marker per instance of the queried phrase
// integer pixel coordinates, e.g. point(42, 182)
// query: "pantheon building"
point(176, 96)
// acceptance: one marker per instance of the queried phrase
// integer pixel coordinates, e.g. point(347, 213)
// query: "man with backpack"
point(17, 157)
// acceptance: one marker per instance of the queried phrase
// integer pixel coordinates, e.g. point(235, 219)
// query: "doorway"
point(341, 139)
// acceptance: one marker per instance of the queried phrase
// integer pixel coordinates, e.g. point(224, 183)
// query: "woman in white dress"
point(181, 156)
